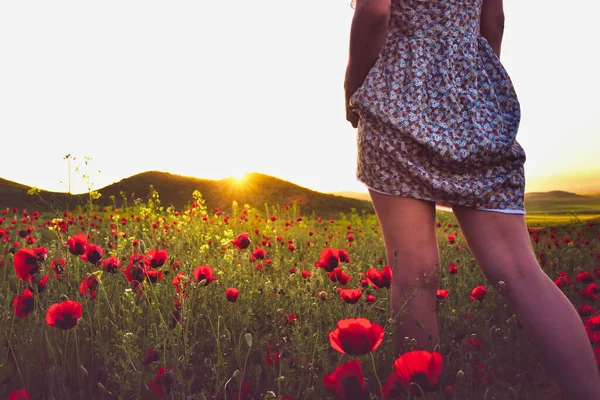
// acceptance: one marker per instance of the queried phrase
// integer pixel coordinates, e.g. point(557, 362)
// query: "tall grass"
point(271, 342)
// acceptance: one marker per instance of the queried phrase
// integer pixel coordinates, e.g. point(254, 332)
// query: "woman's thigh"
point(408, 227)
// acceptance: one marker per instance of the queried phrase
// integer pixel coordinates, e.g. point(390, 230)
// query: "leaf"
point(98, 273)
point(177, 330)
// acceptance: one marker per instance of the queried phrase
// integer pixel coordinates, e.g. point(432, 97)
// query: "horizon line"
point(584, 192)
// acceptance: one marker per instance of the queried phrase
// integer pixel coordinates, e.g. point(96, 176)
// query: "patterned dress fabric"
point(438, 112)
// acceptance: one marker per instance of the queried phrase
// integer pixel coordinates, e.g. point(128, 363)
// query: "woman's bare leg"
point(408, 227)
point(501, 245)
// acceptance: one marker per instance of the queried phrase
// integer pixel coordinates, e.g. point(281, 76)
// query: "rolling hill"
point(256, 190)
point(561, 202)
point(555, 202)
point(353, 195)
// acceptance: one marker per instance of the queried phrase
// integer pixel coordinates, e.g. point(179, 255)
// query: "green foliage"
point(213, 344)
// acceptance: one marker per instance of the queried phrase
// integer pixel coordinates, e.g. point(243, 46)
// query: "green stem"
point(375, 370)
point(78, 360)
point(244, 374)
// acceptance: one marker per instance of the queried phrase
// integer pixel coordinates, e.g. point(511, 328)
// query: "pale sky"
point(220, 88)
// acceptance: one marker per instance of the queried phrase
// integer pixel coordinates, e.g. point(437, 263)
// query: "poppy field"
point(150, 302)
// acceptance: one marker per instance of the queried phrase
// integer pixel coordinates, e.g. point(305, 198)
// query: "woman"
point(437, 119)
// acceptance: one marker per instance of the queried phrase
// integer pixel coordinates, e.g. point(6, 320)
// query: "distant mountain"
point(353, 195)
point(553, 202)
point(554, 194)
point(256, 189)
point(175, 190)
point(14, 194)
point(561, 202)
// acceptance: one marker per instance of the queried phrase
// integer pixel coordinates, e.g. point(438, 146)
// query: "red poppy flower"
point(23, 304)
point(379, 279)
point(77, 244)
point(58, 266)
point(41, 253)
point(93, 253)
point(370, 299)
point(441, 294)
point(258, 254)
point(175, 266)
point(290, 319)
point(586, 310)
point(305, 274)
point(64, 315)
point(111, 265)
point(421, 367)
point(392, 388)
point(232, 294)
point(180, 282)
point(338, 275)
point(351, 296)
point(474, 343)
point(478, 293)
point(156, 258)
point(343, 255)
point(151, 356)
point(26, 264)
point(242, 241)
point(39, 283)
point(135, 273)
point(204, 272)
point(589, 293)
point(452, 269)
point(274, 359)
point(329, 259)
point(88, 286)
point(585, 277)
point(22, 394)
point(163, 382)
point(592, 327)
point(154, 275)
point(348, 381)
point(356, 336)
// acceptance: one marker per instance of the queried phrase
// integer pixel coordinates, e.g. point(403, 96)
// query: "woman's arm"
point(367, 34)
point(492, 23)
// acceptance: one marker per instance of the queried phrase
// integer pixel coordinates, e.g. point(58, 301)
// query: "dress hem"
point(445, 208)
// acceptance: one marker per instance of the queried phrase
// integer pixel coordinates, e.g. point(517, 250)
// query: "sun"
point(239, 177)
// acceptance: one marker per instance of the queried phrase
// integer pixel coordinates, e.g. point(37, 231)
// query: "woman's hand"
point(350, 88)
point(351, 116)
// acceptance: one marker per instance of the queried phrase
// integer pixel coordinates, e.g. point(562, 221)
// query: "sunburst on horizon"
point(240, 177)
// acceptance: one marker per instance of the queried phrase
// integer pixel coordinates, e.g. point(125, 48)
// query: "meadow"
point(151, 302)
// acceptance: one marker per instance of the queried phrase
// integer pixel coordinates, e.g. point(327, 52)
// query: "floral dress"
point(438, 112)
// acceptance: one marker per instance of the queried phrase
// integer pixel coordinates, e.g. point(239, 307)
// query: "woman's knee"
point(511, 272)
point(500, 244)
